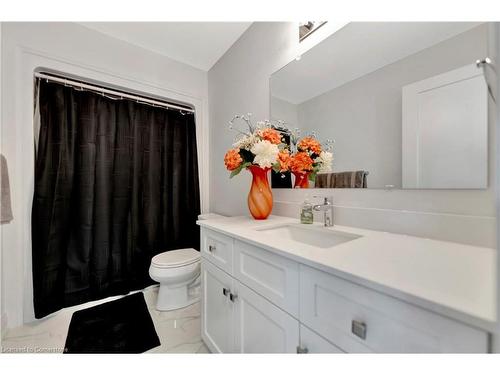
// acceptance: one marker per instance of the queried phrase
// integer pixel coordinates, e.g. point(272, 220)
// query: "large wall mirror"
point(406, 104)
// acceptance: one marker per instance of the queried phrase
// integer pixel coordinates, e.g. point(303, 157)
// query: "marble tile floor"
point(178, 330)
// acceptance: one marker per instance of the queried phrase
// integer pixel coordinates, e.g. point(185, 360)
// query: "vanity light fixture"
point(308, 27)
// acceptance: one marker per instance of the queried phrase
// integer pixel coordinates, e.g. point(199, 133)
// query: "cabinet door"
point(216, 309)
point(260, 326)
point(311, 342)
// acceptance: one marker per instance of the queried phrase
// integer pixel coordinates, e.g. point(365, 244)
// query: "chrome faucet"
point(327, 208)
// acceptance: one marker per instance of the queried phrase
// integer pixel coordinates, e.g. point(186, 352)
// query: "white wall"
point(239, 83)
point(284, 111)
point(76, 50)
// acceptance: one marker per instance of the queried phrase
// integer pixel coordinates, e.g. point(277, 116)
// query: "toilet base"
point(173, 298)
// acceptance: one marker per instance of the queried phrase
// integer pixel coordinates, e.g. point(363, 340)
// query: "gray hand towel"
point(5, 207)
point(350, 179)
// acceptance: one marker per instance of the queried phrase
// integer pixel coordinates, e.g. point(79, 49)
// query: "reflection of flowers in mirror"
point(324, 160)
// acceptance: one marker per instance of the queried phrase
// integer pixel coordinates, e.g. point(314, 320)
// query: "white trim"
point(27, 62)
point(495, 42)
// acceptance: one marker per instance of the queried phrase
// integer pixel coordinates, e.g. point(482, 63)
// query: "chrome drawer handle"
point(358, 329)
point(211, 248)
point(232, 296)
point(225, 291)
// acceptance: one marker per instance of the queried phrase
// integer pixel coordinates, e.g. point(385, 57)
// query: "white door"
point(260, 326)
point(445, 131)
point(216, 309)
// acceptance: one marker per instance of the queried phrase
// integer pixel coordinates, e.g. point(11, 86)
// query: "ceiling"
point(199, 44)
point(354, 51)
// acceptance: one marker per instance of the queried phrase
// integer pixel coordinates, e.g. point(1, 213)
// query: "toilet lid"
point(175, 258)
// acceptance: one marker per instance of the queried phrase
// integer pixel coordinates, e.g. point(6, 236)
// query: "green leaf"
point(239, 169)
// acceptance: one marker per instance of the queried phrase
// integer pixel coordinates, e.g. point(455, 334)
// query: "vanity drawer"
point(336, 308)
point(218, 249)
point(274, 277)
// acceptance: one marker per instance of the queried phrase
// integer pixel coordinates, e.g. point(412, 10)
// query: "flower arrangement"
point(258, 148)
point(261, 145)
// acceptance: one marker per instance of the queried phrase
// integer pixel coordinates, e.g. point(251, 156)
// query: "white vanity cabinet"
point(237, 319)
point(256, 301)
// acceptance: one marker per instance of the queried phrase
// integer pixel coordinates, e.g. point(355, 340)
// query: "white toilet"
point(178, 272)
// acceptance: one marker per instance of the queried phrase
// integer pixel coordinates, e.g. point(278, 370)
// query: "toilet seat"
point(175, 258)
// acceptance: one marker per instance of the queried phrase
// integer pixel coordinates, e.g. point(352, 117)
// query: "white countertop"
point(451, 279)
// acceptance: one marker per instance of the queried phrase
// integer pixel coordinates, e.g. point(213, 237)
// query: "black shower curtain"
point(116, 182)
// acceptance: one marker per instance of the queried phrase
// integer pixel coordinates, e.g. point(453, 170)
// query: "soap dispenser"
point(306, 212)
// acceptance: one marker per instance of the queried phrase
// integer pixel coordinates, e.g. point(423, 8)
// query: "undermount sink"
point(310, 235)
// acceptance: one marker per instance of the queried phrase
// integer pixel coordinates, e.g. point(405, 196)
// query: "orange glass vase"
point(260, 197)
point(301, 180)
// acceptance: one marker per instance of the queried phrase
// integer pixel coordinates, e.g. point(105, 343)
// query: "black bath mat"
point(120, 326)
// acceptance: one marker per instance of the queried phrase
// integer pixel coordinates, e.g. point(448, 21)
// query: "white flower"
point(265, 153)
point(325, 160)
point(245, 142)
point(261, 124)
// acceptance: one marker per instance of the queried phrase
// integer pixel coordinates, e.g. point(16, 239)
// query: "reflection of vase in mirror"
point(260, 197)
point(301, 180)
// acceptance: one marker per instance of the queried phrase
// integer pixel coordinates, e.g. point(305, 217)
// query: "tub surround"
point(451, 279)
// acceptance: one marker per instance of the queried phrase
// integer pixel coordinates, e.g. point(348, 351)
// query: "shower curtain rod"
point(104, 92)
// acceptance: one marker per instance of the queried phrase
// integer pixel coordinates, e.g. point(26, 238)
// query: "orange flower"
point(270, 135)
point(301, 162)
point(285, 160)
point(309, 144)
point(232, 159)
